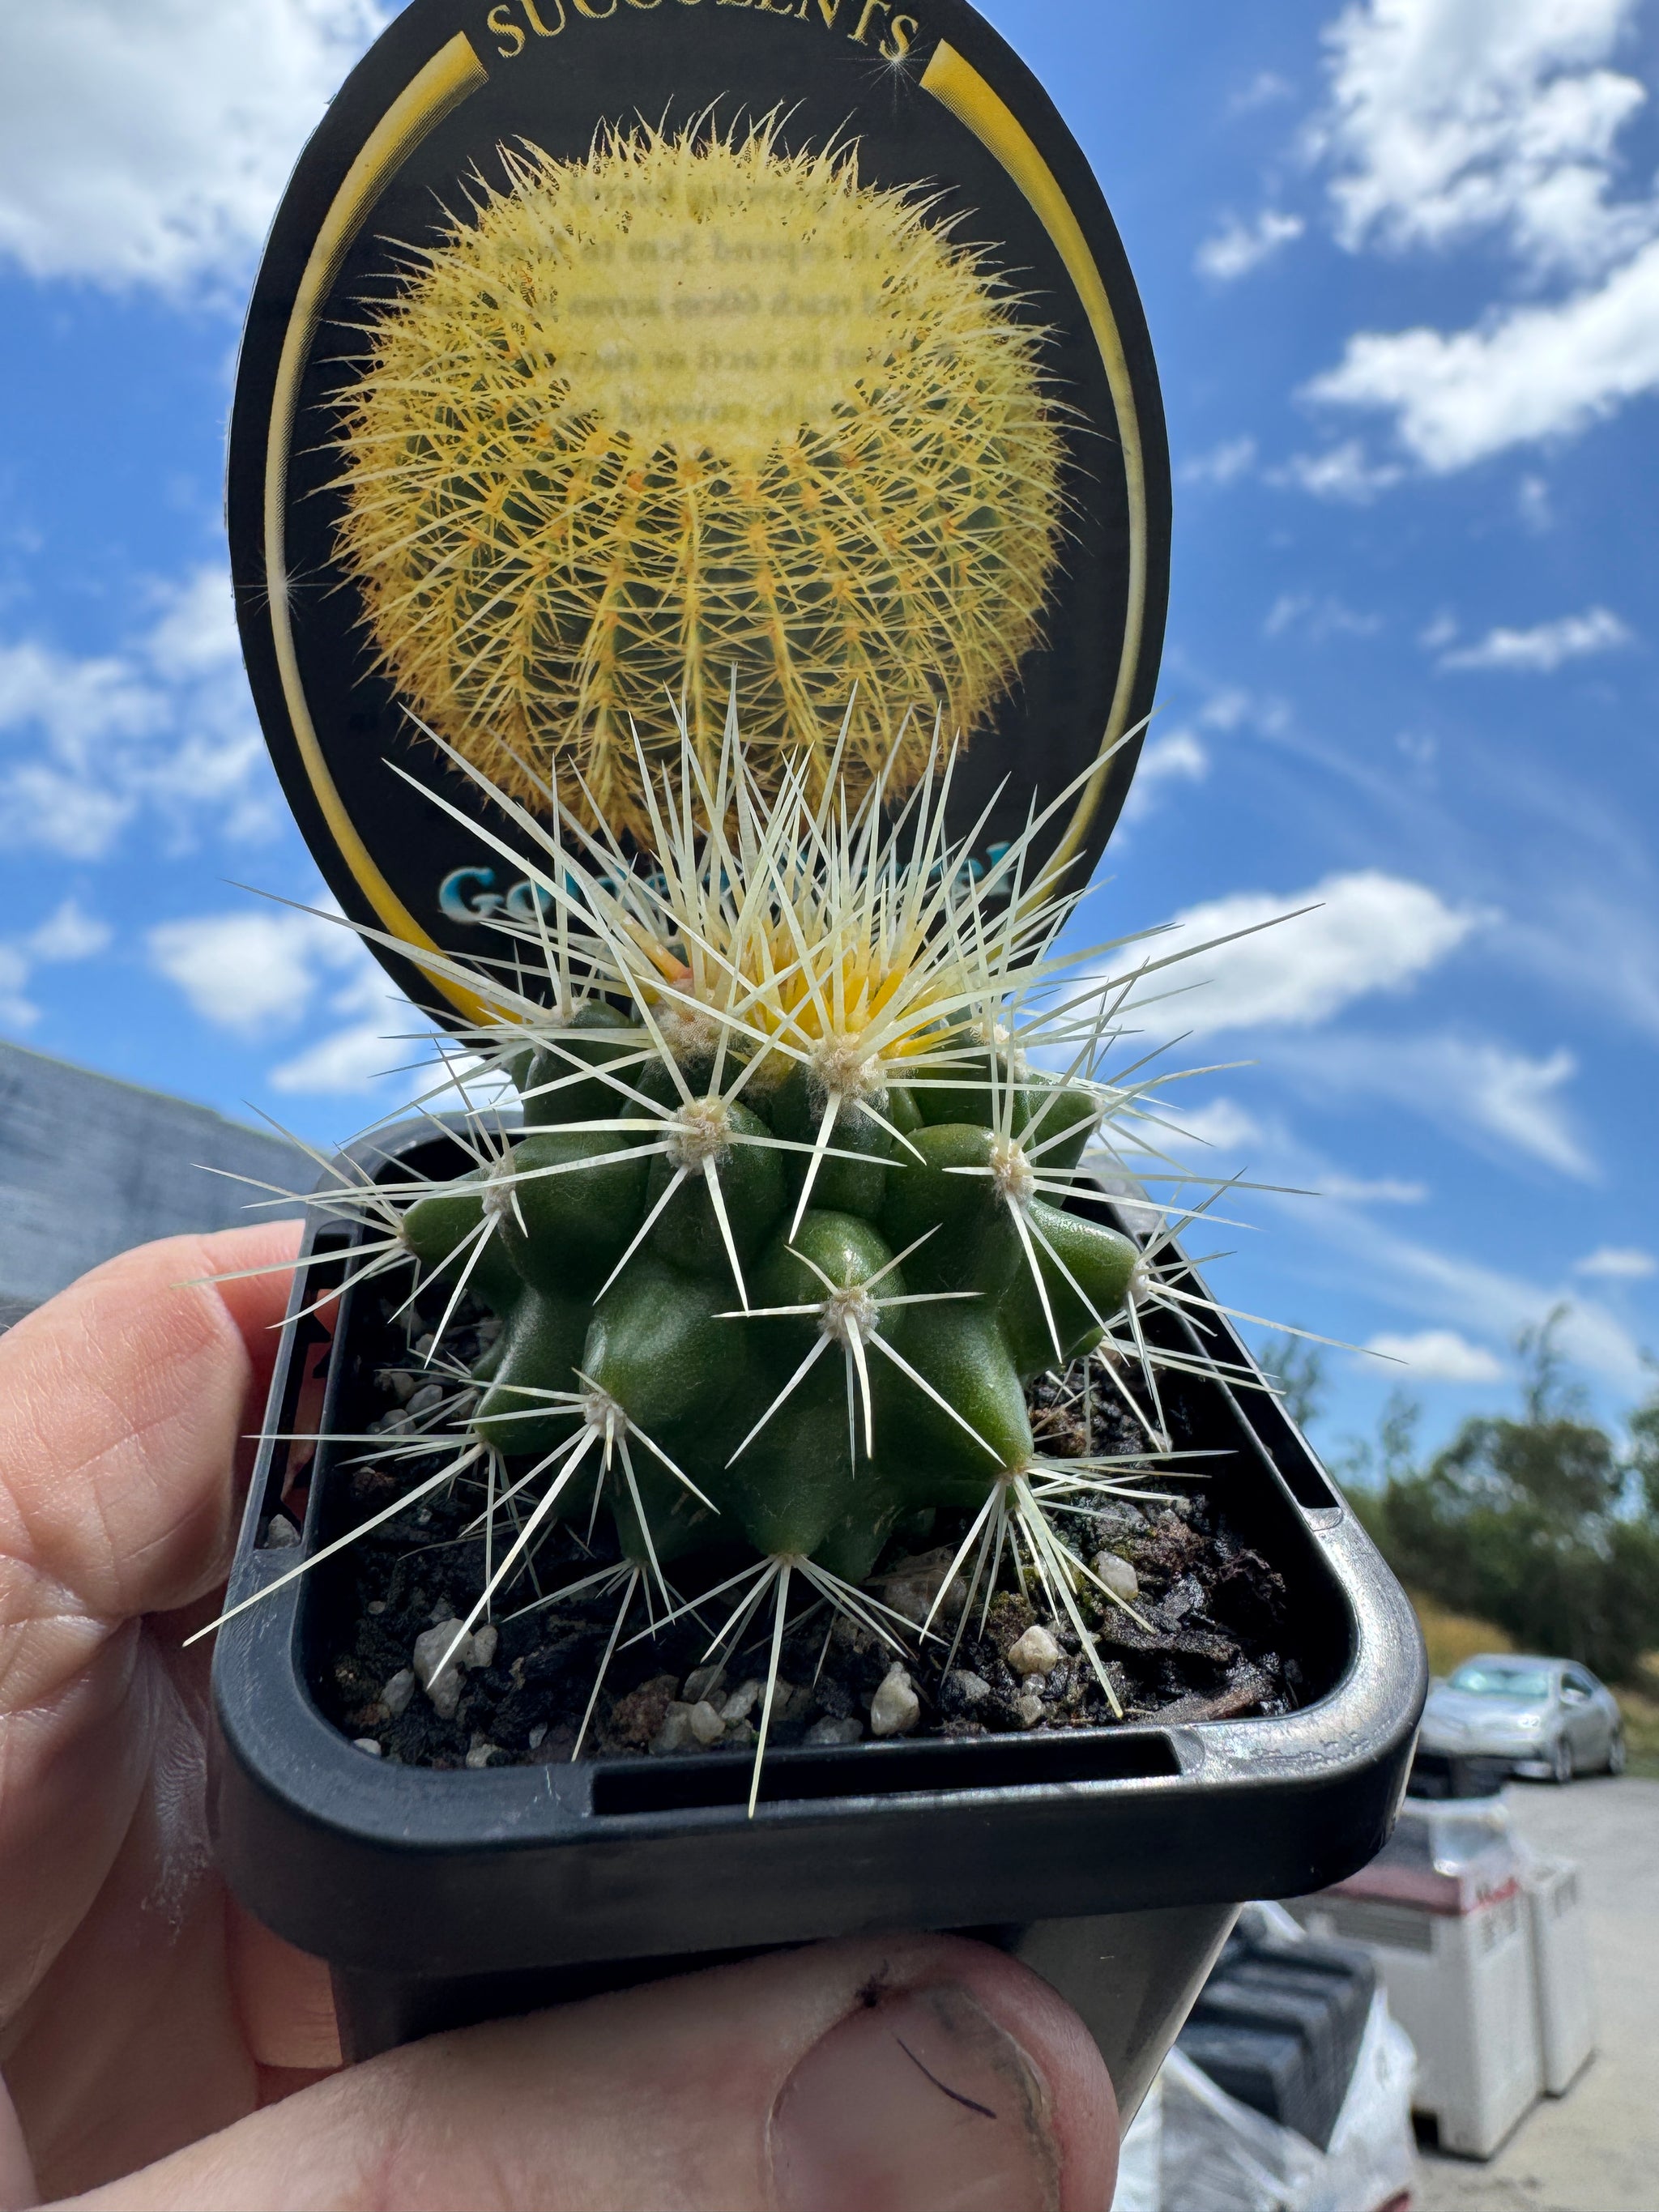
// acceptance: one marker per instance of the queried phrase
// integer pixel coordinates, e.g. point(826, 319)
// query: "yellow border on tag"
point(958, 86)
point(452, 74)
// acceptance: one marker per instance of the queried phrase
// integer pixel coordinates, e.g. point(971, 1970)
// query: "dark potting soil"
point(1202, 1641)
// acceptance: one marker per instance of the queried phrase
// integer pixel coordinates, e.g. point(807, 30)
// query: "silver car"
point(1546, 1716)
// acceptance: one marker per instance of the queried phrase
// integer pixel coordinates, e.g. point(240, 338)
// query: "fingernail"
point(918, 2102)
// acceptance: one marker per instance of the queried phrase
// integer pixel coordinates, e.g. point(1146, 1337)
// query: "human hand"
point(164, 2050)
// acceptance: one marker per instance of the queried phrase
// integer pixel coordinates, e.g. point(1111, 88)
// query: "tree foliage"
point(1540, 1524)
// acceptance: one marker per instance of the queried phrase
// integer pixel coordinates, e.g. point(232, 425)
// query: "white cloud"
point(1237, 247)
point(1431, 1287)
point(1452, 118)
point(1220, 1122)
point(1264, 89)
point(1368, 932)
point(1223, 464)
point(1343, 472)
point(1440, 1355)
point(148, 144)
point(164, 730)
point(1541, 650)
point(258, 973)
point(1532, 497)
point(1317, 618)
point(1469, 1086)
point(68, 934)
point(1384, 1190)
point(1175, 757)
point(1449, 119)
point(1526, 375)
point(350, 1059)
point(1616, 1263)
point(1468, 1293)
point(254, 973)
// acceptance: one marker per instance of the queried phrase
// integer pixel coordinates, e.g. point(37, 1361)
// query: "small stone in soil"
point(675, 1734)
point(397, 1691)
point(961, 1691)
point(1034, 1653)
point(894, 1708)
point(430, 1646)
point(912, 1586)
point(833, 1731)
point(742, 1702)
point(1030, 1706)
point(705, 1723)
point(480, 1755)
point(1118, 1576)
point(367, 1743)
point(429, 1395)
point(700, 1681)
point(281, 1535)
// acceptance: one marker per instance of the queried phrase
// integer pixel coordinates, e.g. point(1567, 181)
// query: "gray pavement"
point(1595, 2149)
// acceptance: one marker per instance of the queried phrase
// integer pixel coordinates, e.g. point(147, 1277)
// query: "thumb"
point(918, 2074)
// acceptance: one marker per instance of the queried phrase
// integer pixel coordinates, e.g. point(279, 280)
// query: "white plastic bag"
point(1140, 2158)
point(1210, 2154)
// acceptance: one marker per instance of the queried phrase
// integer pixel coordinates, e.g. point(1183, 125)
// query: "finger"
point(921, 2073)
point(283, 1997)
point(122, 1401)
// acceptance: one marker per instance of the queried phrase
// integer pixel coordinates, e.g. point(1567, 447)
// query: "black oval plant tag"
point(611, 358)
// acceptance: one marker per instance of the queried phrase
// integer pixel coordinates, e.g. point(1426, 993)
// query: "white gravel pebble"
point(367, 1743)
point(894, 1708)
point(675, 1732)
point(484, 1641)
point(281, 1535)
point(705, 1723)
point(973, 1689)
point(699, 1682)
point(1035, 1653)
point(742, 1701)
point(1030, 1707)
point(478, 1754)
point(430, 1645)
point(833, 1732)
point(397, 1691)
point(537, 1734)
point(429, 1395)
point(1118, 1576)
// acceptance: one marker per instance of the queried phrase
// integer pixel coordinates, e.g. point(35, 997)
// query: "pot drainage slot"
point(288, 1475)
point(684, 1786)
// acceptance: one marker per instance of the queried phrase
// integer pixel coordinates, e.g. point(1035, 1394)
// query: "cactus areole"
point(608, 359)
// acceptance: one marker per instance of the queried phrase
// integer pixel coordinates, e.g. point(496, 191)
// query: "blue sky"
point(1400, 259)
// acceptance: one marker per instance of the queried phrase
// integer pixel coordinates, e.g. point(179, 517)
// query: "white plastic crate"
point(1561, 1972)
point(1461, 1987)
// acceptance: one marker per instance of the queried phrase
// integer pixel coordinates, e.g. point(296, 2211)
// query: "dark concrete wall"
point(89, 1167)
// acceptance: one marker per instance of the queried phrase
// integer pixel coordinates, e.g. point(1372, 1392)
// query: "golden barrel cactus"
point(699, 404)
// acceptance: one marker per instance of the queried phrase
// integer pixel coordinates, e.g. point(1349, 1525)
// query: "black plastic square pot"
point(1112, 1860)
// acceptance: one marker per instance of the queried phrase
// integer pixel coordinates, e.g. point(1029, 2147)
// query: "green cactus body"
point(795, 1377)
point(783, 1242)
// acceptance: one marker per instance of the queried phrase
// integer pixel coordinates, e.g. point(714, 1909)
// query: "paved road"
point(1597, 2148)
